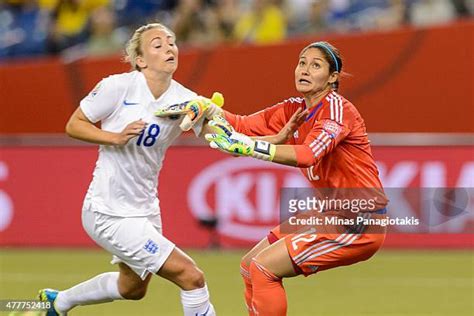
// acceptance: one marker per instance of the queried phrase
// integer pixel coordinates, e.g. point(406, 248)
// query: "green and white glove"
point(194, 110)
point(227, 140)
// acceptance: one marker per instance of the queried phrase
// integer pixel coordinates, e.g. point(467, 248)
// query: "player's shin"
point(197, 302)
point(268, 294)
point(100, 289)
point(244, 271)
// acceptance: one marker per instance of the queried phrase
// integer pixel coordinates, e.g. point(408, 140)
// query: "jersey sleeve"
point(101, 101)
point(263, 123)
point(325, 135)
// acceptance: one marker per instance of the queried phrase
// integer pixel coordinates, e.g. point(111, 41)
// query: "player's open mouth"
point(304, 81)
point(171, 59)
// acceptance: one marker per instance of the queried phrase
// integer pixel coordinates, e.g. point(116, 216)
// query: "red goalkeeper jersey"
point(333, 140)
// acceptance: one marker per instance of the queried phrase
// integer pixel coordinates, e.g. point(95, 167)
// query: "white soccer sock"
point(196, 302)
point(100, 289)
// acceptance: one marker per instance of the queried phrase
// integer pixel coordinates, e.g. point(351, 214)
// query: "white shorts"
point(135, 241)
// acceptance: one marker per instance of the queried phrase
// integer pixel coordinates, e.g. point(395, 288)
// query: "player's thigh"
point(135, 241)
point(271, 238)
point(181, 269)
point(276, 258)
point(312, 253)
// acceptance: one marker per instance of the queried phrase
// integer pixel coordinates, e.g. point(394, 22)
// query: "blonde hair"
point(133, 48)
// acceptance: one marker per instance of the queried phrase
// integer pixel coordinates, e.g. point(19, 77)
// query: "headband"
point(329, 50)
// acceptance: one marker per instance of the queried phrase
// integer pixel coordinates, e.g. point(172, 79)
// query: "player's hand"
point(237, 145)
point(131, 130)
point(229, 141)
point(292, 125)
point(194, 110)
point(221, 126)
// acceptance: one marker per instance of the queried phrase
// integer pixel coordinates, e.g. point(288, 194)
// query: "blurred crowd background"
point(101, 27)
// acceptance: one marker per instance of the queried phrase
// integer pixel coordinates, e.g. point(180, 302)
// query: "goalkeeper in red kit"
point(324, 135)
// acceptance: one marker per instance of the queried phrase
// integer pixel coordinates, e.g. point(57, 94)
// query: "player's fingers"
point(301, 117)
point(182, 111)
point(132, 134)
point(219, 147)
point(298, 111)
point(135, 130)
point(140, 121)
point(211, 137)
point(213, 145)
point(219, 119)
point(175, 109)
point(220, 141)
point(294, 117)
point(303, 114)
point(219, 128)
point(187, 123)
point(136, 125)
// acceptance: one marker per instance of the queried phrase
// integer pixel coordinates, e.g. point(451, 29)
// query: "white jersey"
point(125, 181)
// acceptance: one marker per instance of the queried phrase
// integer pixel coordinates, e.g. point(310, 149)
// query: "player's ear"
point(140, 62)
point(333, 77)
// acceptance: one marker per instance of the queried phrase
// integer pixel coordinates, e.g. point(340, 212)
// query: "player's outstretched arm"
point(282, 137)
point(194, 110)
point(229, 141)
point(80, 127)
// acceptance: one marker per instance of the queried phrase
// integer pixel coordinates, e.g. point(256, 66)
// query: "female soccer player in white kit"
point(121, 210)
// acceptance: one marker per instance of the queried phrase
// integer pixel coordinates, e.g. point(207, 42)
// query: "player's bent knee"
point(192, 278)
point(196, 278)
point(134, 294)
point(246, 259)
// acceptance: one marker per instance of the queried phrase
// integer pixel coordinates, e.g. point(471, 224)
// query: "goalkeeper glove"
point(229, 141)
point(194, 110)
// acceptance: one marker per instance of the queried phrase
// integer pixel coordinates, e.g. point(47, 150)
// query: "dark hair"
point(331, 55)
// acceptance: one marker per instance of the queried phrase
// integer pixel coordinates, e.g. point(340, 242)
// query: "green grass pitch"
point(392, 283)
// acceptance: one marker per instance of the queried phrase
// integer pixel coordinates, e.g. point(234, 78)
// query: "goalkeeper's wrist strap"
point(264, 150)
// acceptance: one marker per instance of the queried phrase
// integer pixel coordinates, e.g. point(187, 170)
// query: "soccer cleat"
point(49, 295)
